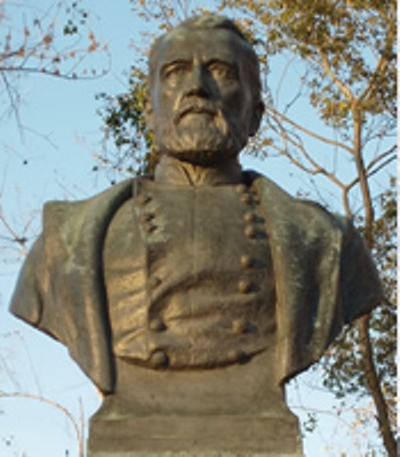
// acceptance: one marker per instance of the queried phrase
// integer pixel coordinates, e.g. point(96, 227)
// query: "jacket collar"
point(176, 172)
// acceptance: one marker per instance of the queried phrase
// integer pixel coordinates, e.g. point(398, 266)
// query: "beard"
point(201, 138)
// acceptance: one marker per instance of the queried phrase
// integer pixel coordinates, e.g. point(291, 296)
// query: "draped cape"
point(324, 274)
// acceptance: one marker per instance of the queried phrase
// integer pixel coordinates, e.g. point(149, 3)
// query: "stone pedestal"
point(236, 411)
point(225, 436)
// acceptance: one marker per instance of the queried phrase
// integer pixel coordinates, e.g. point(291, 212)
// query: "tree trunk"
point(374, 387)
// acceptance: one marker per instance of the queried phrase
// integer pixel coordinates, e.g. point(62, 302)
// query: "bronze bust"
point(196, 293)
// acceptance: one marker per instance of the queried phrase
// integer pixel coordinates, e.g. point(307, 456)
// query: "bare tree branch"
point(19, 239)
point(372, 172)
point(382, 156)
point(307, 131)
point(78, 432)
point(326, 66)
point(316, 167)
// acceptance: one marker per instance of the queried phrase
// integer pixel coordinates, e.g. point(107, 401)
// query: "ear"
point(258, 111)
point(148, 113)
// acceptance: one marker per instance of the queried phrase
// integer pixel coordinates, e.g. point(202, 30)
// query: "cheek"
point(168, 101)
point(231, 94)
point(235, 102)
point(164, 99)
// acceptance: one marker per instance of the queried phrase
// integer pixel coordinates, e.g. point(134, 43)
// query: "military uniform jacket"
point(323, 278)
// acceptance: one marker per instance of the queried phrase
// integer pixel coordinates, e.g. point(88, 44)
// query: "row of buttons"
point(250, 218)
point(239, 326)
point(146, 219)
point(159, 359)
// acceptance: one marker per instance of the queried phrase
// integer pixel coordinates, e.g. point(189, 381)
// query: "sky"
point(54, 159)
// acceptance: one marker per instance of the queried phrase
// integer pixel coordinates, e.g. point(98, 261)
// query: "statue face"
point(201, 103)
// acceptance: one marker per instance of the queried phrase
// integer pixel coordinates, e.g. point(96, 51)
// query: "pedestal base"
point(202, 436)
point(236, 411)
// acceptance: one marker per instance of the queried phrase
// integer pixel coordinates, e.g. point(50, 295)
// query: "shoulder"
point(68, 219)
point(64, 209)
point(302, 213)
point(66, 223)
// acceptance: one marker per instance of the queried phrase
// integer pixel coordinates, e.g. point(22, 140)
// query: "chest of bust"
point(189, 277)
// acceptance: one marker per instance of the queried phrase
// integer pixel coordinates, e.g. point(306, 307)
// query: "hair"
point(212, 22)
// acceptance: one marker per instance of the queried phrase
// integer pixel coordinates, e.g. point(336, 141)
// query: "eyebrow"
point(178, 61)
point(188, 61)
point(227, 62)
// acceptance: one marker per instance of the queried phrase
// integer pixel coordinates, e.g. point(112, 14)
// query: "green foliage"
point(348, 45)
point(78, 17)
point(310, 423)
point(342, 363)
point(52, 39)
point(125, 127)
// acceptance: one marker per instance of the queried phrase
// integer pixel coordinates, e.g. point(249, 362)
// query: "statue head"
point(204, 91)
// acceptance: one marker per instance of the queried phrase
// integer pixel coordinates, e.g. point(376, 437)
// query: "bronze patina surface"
point(190, 298)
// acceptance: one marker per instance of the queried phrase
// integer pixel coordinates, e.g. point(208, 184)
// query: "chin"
point(198, 157)
point(205, 147)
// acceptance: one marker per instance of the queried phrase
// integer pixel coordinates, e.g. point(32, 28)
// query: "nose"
point(197, 83)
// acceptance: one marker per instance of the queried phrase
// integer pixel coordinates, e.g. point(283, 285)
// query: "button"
point(154, 281)
point(157, 325)
point(148, 228)
point(159, 359)
point(241, 189)
point(143, 199)
point(240, 326)
point(245, 286)
point(250, 231)
point(250, 217)
point(146, 217)
point(236, 355)
point(246, 261)
point(232, 355)
point(246, 198)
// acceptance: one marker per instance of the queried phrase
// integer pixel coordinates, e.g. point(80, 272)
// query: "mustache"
point(195, 106)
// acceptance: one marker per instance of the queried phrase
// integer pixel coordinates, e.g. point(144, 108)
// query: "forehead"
point(207, 44)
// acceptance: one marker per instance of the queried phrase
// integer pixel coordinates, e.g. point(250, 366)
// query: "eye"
point(174, 71)
point(222, 70)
